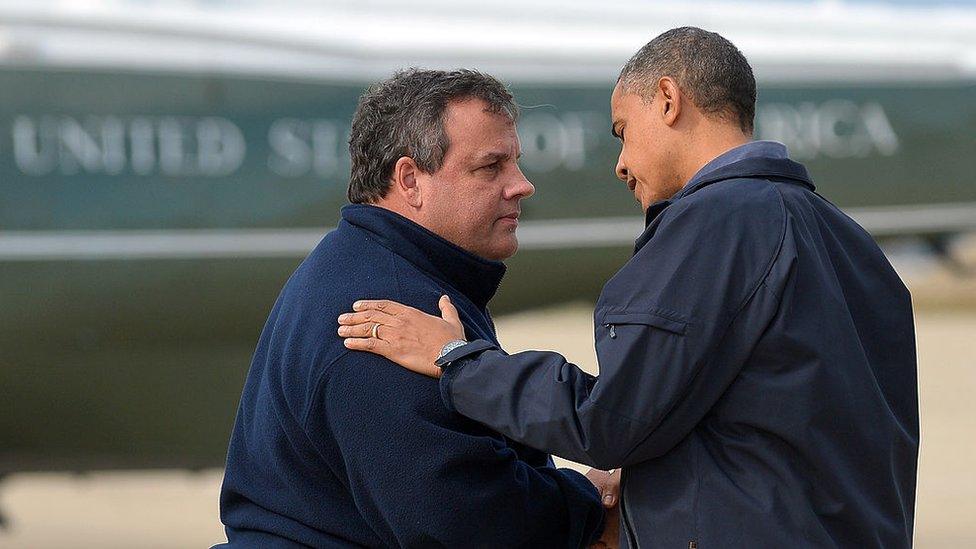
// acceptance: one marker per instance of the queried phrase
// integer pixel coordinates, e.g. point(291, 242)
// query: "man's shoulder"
point(342, 268)
point(730, 229)
point(343, 257)
point(740, 195)
point(725, 212)
point(299, 338)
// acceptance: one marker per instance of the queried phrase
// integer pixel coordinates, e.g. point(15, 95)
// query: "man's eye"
point(493, 167)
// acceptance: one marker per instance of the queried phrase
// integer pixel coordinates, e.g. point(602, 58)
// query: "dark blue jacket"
point(334, 448)
point(757, 375)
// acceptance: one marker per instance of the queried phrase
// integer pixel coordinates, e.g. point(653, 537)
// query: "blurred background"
point(166, 164)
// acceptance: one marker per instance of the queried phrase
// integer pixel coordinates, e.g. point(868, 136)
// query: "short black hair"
point(705, 65)
point(403, 116)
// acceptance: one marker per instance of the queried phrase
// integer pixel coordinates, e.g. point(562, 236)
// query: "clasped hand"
point(608, 484)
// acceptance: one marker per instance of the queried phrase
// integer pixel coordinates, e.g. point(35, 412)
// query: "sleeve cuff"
point(453, 362)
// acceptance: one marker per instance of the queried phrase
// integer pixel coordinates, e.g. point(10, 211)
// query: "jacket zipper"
point(613, 331)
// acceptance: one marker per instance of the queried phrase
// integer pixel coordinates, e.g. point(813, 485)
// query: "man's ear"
point(671, 100)
point(405, 181)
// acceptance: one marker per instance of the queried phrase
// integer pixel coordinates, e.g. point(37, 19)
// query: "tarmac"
point(178, 509)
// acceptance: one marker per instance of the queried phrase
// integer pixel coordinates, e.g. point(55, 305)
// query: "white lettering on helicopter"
point(833, 129)
point(146, 145)
point(179, 146)
point(300, 147)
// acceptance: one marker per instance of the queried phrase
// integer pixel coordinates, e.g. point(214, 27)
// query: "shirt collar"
point(757, 159)
point(475, 277)
point(752, 149)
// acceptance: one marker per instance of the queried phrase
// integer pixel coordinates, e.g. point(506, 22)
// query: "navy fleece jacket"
point(335, 448)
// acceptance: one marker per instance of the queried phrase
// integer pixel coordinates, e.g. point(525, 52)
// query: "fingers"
point(362, 331)
point(610, 490)
point(369, 344)
point(385, 305)
point(366, 329)
point(608, 484)
point(368, 317)
point(448, 311)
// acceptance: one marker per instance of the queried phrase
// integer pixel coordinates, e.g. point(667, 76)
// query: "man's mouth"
point(631, 184)
point(511, 217)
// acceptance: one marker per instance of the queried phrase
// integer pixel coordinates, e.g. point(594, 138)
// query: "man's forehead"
point(467, 108)
point(621, 96)
point(480, 135)
point(615, 103)
point(623, 101)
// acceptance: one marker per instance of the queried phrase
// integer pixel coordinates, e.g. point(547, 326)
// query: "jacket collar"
point(777, 169)
point(780, 169)
point(473, 276)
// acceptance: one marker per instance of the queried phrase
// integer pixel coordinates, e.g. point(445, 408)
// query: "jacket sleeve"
point(673, 328)
point(424, 476)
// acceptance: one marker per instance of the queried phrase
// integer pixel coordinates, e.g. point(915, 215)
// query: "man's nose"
point(621, 168)
point(520, 187)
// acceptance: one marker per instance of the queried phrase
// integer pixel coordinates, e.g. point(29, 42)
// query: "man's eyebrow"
point(492, 157)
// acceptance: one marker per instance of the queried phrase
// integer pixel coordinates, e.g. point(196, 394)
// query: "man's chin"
point(503, 249)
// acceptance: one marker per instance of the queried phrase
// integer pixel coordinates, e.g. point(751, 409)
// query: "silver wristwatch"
point(447, 348)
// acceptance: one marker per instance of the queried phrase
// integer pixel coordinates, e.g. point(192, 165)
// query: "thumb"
point(450, 313)
point(610, 491)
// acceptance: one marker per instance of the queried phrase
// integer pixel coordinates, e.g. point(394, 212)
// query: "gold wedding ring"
point(375, 328)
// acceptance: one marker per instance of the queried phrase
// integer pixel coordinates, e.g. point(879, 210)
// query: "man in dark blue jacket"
point(335, 448)
point(757, 354)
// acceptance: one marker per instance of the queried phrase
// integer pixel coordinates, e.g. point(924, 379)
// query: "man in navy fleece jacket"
point(339, 448)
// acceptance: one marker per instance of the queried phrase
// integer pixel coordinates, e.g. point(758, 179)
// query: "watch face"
point(450, 346)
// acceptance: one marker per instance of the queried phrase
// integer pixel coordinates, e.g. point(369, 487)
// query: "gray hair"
point(706, 66)
point(403, 116)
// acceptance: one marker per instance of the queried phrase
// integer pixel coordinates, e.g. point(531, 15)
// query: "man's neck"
point(389, 202)
point(710, 145)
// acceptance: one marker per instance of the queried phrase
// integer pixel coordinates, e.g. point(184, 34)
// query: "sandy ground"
point(179, 509)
